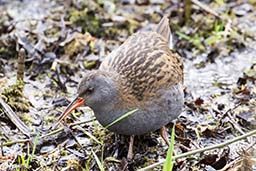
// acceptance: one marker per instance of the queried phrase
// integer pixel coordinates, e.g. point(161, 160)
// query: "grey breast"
point(157, 113)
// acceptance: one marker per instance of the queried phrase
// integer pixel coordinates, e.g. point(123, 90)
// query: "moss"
point(6, 52)
point(99, 131)
point(53, 32)
point(15, 98)
point(26, 118)
point(49, 119)
point(88, 20)
point(90, 64)
point(210, 32)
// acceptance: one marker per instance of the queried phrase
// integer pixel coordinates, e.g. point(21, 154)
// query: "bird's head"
point(96, 90)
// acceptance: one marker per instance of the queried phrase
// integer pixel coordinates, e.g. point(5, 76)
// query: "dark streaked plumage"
point(144, 63)
point(142, 73)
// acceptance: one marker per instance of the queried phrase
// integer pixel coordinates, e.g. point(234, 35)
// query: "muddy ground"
point(60, 40)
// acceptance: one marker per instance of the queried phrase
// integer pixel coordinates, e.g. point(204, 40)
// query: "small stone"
point(142, 2)
point(221, 106)
point(242, 10)
point(156, 2)
point(127, 2)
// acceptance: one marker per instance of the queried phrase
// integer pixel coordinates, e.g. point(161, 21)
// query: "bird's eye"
point(89, 90)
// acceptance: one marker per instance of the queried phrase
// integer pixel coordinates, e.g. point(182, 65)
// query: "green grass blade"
point(101, 167)
point(34, 146)
point(90, 135)
point(22, 157)
point(184, 36)
point(30, 157)
point(121, 118)
point(168, 164)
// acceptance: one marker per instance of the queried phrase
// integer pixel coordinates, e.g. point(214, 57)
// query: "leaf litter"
point(64, 39)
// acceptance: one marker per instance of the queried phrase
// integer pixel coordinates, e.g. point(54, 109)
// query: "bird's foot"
point(164, 135)
point(130, 149)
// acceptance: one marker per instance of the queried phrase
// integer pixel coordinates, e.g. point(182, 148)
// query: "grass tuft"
point(99, 163)
point(168, 164)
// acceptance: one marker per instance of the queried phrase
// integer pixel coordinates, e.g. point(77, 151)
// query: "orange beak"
point(78, 101)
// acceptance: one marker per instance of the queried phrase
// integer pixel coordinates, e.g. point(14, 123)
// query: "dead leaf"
point(76, 43)
point(199, 101)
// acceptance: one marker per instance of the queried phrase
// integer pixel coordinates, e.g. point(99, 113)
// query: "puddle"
point(225, 71)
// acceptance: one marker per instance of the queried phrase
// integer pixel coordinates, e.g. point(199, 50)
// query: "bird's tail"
point(163, 28)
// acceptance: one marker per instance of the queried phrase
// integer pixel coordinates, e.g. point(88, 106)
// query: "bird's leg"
point(164, 135)
point(130, 149)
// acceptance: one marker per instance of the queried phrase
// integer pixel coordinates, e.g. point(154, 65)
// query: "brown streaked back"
point(145, 64)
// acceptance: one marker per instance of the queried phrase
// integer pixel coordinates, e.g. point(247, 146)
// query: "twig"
point(232, 120)
point(15, 142)
point(21, 64)
point(71, 125)
point(237, 160)
point(15, 119)
point(75, 138)
point(201, 150)
point(46, 135)
point(235, 125)
point(82, 122)
point(209, 10)
point(88, 134)
point(231, 164)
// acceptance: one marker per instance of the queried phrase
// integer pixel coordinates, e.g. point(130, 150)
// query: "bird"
point(143, 74)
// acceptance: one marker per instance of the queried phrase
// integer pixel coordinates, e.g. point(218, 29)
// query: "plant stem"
point(46, 135)
point(201, 150)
